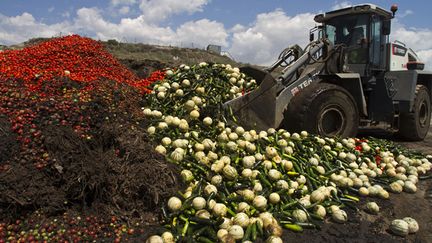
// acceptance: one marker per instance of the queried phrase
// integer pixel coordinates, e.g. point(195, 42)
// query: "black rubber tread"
point(409, 124)
point(303, 109)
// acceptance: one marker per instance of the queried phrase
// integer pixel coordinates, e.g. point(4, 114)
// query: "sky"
point(251, 31)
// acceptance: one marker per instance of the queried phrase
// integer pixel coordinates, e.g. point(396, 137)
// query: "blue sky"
point(251, 30)
point(229, 12)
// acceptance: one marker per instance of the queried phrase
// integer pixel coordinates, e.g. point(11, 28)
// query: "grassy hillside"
point(144, 58)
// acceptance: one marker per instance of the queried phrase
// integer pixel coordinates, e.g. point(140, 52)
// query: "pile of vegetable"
point(72, 139)
point(81, 159)
point(247, 184)
point(80, 59)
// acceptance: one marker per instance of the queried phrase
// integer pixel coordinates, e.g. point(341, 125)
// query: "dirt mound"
point(8, 142)
point(143, 68)
point(152, 56)
point(116, 170)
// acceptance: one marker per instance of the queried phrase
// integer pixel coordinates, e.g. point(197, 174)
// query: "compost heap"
point(72, 138)
point(246, 184)
point(73, 135)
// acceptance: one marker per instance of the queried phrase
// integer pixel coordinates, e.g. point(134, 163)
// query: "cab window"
point(376, 40)
point(352, 32)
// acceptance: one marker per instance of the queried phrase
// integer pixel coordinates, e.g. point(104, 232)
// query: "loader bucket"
point(256, 109)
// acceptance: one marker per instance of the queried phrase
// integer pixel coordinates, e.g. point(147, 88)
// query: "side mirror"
point(386, 28)
point(311, 37)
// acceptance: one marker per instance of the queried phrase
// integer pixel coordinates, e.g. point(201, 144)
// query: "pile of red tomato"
point(54, 83)
point(80, 59)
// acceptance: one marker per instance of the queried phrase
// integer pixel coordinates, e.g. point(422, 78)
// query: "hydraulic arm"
point(264, 107)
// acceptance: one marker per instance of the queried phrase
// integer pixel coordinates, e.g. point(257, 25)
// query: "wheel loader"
point(349, 76)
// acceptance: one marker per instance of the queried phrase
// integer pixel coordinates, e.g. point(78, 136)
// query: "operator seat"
point(356, 36)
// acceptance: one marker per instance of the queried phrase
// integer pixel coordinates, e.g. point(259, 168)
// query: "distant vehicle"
point(214, 48)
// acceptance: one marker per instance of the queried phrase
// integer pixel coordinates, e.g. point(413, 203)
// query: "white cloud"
point(124, 10)
point(22, 27)
point(51, 9)
point(200, 33)
point(270, 34)
point(90, 22)
point(237, 28)
point(203, 32)
point(416, 39)
point(158, 10)
point(426, 57)
point(339, 5)
point(405, 13)
point(123, 2)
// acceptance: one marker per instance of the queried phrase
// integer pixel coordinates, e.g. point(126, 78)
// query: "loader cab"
point(362, 32)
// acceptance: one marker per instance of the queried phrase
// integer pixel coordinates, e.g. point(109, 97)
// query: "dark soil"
point(9, 145)
point(116, 172)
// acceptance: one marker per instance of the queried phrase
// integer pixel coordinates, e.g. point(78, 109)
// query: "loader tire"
point(414, 126)
point(324, 109)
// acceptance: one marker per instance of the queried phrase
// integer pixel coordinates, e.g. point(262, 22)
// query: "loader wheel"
point(414, 126)
point(324, 109)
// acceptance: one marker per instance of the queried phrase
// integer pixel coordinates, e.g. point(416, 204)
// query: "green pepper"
point(293, 227)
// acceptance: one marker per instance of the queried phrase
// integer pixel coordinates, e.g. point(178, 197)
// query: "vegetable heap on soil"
point(245, 185)
point(72, 138)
